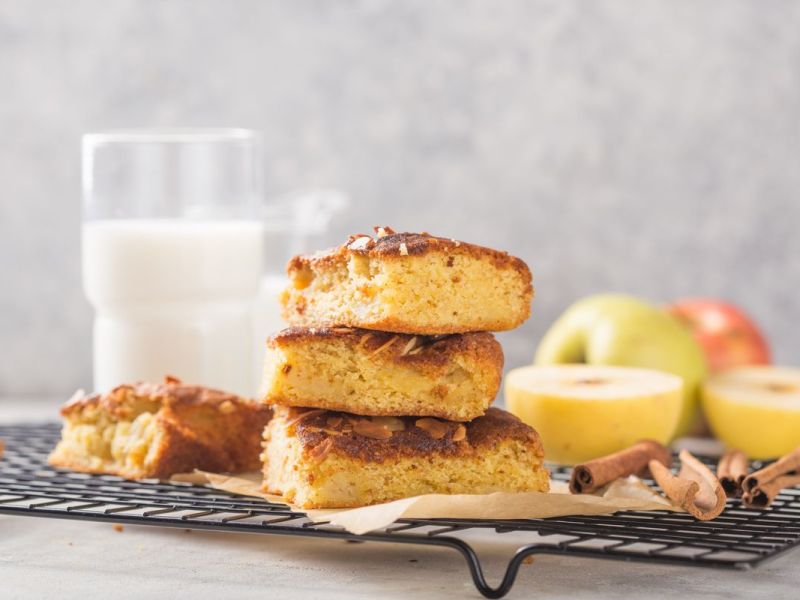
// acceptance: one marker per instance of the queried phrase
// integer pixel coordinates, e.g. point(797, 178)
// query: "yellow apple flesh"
point(583, 411)
point(755, 409)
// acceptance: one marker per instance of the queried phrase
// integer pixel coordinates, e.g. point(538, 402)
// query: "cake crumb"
point(118, 528)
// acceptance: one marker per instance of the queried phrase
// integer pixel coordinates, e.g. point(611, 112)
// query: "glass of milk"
point(172, 249)
point(294, 223)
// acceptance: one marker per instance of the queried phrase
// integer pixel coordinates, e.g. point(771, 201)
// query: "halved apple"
point(755, 409)
point(586, 411)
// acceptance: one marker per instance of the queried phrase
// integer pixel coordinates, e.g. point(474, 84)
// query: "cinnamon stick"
point(695, 489)
point(731, 471)
point(592, 475)
point(2, 448)
point(788, 464)
point(763, 495)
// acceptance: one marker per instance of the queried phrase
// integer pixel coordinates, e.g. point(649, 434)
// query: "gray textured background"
point(646, 146)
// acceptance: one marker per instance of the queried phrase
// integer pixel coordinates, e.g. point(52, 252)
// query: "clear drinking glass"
point(172, 248)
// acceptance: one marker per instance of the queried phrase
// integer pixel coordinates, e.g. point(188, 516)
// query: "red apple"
point(728, 336)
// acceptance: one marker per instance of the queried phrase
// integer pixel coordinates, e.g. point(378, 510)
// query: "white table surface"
point(69, 559)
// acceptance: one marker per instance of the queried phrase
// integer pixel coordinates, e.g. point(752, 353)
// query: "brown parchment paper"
point(629, 493)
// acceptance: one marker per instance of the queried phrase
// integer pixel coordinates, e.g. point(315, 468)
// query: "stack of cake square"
point(382, 386)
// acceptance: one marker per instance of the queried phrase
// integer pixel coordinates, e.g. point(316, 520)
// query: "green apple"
point(615, 329)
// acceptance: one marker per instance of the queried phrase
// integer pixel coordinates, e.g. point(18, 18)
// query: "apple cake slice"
point(323, 459)
point(156, 430)
point(408, 283)
point(375, 373)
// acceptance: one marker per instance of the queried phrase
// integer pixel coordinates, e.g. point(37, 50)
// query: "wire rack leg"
point(476, 571)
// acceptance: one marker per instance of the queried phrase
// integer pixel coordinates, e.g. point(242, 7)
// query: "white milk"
point(173, 297)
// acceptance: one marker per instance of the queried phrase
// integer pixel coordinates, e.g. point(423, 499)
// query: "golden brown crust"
point(399, 245)
point(376, 373)
point(338, 432)
point(120, 400)
point(199, 428)
point(434, 351)
point(410, 283)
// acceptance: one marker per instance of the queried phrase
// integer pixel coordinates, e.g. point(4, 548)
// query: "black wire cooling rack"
point(739, 538)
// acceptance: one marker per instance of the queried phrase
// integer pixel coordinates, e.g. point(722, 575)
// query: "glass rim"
point(179, 135)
